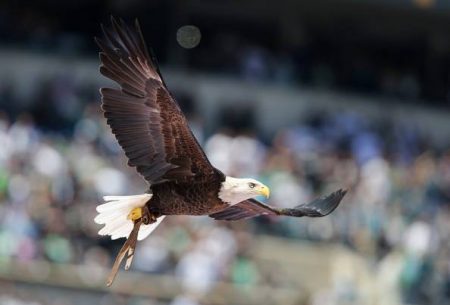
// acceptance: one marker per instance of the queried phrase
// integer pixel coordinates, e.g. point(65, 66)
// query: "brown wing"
point(142, 114)
point(252, 208)
point(243, 210)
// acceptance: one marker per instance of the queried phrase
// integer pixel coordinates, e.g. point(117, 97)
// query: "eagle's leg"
point(139, 216)
point(147, 216)
point(129, 245)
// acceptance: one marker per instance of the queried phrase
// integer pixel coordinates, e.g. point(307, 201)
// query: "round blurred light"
point(48, 161)
point(188, 36)
point(417, 238)
point(424, 3)
point(110, 181)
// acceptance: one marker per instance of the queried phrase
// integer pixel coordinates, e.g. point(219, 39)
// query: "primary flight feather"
point(156, 138)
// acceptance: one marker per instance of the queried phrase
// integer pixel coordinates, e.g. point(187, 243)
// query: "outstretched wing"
point(252, 207)
point(145, 119)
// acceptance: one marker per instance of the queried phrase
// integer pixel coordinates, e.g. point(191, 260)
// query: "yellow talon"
point(135, 214)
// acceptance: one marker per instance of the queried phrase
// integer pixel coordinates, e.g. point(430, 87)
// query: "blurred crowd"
point(339, 56)
point(58, 156)
point(56, 166)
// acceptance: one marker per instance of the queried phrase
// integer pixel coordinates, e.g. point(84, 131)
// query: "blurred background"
point(306, 96)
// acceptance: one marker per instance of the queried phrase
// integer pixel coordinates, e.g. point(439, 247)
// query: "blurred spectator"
point(50, 184)
point(58, 157)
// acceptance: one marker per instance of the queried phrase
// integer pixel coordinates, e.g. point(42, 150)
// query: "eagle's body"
point(197, 198)
point(155, 136)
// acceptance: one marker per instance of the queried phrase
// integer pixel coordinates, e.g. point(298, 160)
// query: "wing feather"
point(251, 208)
point(143, 116)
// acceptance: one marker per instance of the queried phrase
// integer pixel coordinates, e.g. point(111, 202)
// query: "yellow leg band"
point(135, 214)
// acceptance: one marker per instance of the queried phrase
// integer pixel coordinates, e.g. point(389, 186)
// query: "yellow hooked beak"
point(265, 191)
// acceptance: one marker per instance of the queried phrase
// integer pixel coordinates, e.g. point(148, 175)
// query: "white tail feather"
point(146, 230)
point(114, 212)
point(119, 202)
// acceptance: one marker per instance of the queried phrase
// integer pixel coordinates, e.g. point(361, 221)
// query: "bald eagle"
point(155, 136)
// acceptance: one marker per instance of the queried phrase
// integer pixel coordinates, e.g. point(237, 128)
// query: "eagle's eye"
point(251, 185)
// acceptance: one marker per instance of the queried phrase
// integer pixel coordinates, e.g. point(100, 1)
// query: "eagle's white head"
point(235, 190)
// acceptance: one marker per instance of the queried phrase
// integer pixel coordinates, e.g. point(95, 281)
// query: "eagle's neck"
point(230, 191)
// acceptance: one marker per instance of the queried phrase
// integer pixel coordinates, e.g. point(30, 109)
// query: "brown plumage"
point(143, 116)
point(252, 207)
point(151, 129)
point(155, 136)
